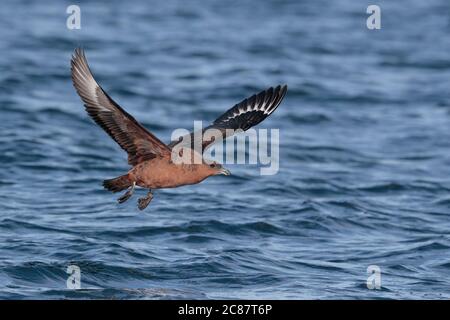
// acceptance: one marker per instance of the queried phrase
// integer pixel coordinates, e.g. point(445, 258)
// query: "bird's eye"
point(212, 165)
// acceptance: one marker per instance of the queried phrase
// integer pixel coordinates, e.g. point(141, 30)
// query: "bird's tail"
point(118, 184)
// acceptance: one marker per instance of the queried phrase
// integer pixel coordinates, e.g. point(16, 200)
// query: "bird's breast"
point(155, 174)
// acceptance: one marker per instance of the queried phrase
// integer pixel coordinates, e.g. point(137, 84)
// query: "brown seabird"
point(151, 160)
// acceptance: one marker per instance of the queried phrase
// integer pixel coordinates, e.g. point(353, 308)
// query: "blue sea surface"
point(364, 173)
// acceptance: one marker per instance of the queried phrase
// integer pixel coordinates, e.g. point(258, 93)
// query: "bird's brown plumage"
point(150, 158)
point(140, 144)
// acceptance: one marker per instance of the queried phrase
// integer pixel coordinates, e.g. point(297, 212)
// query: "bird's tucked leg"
point(127, 194)
point(143, 202)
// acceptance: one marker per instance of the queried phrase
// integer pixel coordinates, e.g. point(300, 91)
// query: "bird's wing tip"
point(279, 88)
point(78, 51)
point(282, 89)
point(78, 55)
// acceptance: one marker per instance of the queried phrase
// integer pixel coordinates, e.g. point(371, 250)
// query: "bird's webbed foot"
point(127, 194)
point(143, 202)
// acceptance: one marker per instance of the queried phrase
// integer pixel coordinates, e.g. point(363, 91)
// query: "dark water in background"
point(365, 150)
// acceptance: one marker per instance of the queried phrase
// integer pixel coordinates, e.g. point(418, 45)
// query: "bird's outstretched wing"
point(242, 116)
point(139, 143)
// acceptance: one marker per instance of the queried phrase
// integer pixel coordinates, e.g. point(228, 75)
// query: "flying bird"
point(152, 165)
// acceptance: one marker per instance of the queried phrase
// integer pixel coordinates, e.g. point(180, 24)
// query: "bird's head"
point(215, 168)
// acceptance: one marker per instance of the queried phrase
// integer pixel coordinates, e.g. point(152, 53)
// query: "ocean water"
point(364, 173)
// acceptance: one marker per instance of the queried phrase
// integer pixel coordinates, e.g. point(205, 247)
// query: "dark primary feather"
point(139, 143)
point(244, 115)
point(253, 110)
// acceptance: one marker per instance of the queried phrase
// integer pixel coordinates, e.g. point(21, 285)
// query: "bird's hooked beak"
point(224, 171)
